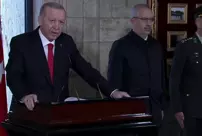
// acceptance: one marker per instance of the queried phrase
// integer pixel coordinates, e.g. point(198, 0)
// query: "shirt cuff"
point(113, 92)
point(21, 100)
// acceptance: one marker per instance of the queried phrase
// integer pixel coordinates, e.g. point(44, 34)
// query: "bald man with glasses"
point(136, 62)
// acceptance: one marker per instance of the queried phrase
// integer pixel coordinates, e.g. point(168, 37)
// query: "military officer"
point(186, 81)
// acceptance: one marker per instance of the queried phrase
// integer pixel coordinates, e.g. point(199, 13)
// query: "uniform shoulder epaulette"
point(187, 39)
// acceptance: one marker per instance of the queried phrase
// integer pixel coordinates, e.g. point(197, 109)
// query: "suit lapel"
point(41, 57)
point(57, 59)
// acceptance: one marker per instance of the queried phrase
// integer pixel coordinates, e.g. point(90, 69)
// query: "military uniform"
point(186, 82)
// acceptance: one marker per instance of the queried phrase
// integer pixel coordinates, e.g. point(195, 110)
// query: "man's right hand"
point(30, 100)
point(119, 94)
point(180, 118)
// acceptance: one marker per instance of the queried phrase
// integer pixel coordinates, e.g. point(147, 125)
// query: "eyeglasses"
point(145, 19)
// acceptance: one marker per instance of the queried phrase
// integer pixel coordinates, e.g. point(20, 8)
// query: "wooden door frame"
point(153, 4)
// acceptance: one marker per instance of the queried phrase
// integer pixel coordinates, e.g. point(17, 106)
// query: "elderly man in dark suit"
point(39, 62)
point(136, 62)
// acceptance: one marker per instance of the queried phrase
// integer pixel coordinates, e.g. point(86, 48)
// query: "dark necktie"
point(50, 60)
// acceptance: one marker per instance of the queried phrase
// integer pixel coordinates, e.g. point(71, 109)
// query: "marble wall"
point(12, 23)
point(94, 25)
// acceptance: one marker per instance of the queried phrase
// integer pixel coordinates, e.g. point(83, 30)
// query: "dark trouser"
point(193, 126)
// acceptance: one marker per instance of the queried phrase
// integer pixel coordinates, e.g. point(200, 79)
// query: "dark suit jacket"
point(136, 66)
point(186, 77)
point(28, 73)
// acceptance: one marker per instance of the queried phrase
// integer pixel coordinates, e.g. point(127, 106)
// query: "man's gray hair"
point(51, 5)
point(136, 9)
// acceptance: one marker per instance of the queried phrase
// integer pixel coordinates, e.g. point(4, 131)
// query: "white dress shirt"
point(45, 43)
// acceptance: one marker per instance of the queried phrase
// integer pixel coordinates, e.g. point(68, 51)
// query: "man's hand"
point(180, 118)
point(119, 94)
point(30, 100)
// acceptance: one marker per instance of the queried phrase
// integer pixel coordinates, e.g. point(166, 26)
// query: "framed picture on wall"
point(173, 38)
point(197, 5)
point(177, 13)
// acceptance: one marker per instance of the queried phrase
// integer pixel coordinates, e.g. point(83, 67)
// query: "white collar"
point(44, 40)
point(199, 37)
point(146, 38)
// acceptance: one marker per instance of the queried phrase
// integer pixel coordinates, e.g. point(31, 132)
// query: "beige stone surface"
point(90, 29)
point(134, 2)
point(105, 8)
point(74, 8)
point(91, 53)
point(112, 29)
point(75, 28)
point(90, 8)
point(104, 57)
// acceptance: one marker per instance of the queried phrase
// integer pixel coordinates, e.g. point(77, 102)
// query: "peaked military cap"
point(198, 12)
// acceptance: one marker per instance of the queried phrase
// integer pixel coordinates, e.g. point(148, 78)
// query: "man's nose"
point(149, 22)
point(56, 25)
